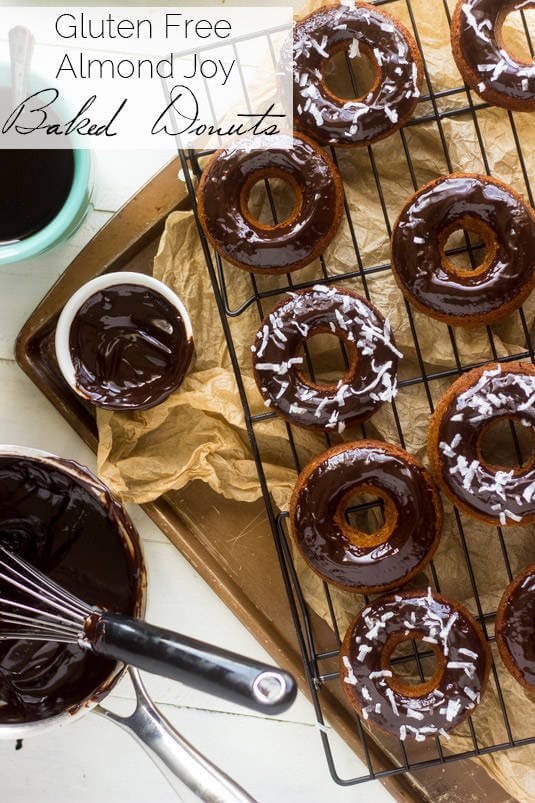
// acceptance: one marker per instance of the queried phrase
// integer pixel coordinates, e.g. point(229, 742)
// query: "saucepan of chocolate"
point(124, 341)
point(64, 523)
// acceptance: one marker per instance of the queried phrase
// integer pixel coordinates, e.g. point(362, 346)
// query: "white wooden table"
point(92, 761)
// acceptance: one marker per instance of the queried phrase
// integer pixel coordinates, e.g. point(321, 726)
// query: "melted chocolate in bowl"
point(129, 346)
point(58, 523)
point(34, 185)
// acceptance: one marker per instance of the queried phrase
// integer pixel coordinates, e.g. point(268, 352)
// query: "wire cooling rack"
point(320, 663)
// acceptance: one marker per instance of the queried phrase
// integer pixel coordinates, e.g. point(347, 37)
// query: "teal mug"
point(71, 214)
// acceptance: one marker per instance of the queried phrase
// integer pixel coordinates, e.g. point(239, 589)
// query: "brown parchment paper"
point(199, 433)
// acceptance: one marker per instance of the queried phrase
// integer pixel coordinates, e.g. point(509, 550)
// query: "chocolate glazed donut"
point(515, 628)
point(495, 494)
point(437, 287)
point(373, 357)
point(223, 197)
point(398, 74)
point(346, 556)
point(435, 706)
point(485, 64)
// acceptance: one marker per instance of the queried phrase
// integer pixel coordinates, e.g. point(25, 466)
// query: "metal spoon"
point(21, 44)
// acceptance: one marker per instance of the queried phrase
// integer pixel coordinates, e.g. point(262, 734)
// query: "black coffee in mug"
point(34, 185)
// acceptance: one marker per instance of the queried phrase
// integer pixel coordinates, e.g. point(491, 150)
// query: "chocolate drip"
point(450, 203)
point(353, 559)
point(389, 46)
point(68, 528)
point(129, 347)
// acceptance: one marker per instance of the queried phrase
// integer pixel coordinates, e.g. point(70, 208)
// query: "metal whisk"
point(61, 616)
point(36, 608)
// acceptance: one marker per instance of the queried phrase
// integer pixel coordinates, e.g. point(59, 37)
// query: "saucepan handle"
point(188, 771)
point(212, 669)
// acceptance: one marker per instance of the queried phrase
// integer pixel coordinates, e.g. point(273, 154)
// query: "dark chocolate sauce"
point(369, 381)
point(34, 185)
point(418, 240)
point(503, 496)
point(481, 45)
point(455, 690)
point(129, 347)
point(393, 97)
point(223, 196)
point(328, 543)
point(68, 528)
point(515, 627)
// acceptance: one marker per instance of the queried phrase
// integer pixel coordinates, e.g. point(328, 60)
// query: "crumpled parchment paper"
point(199, 432)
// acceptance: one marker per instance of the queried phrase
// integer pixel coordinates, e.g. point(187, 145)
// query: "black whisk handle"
point(202, 666)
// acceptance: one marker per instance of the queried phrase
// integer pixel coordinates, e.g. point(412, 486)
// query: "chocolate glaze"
point(342, 555)
point(481, 47)
point(129, 347)
point(224, 193)
point(370, 380)
point(392, 98)
point(69, 528)
point(515, 627)
point(453, 692)
point(427, 220)
point(495, 391)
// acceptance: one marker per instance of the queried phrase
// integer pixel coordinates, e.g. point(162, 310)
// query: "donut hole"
point(326, 359)
point(365, 512)
point(347, 76)
point(367, 516)
point(507, 443)
point(516, 27)
point(270, 199)
point(416, 665)
point(467, 247)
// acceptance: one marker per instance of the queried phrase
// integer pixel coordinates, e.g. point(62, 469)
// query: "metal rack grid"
point(467, 107)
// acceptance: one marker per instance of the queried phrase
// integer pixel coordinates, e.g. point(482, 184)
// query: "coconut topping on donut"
point(434, 706)
point(369, 381)
point(478, 49)
point(500, 391)
point(356, 27)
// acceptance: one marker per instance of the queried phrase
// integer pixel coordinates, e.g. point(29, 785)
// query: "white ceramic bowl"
point(63, 328)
